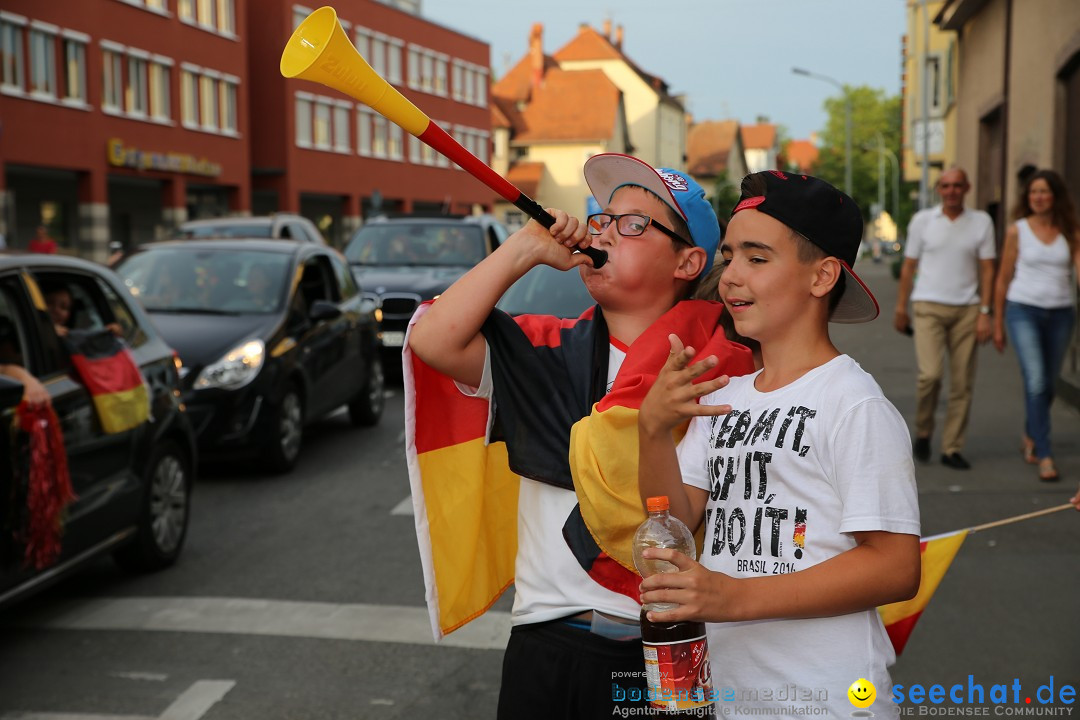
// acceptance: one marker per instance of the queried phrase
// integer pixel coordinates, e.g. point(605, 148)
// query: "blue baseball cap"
point(607, 172)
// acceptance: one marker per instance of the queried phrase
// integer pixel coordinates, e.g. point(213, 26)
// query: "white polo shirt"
point(949, 252)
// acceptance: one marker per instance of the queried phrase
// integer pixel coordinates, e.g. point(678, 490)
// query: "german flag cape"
point(107, 369)
point(604, 445)
point(547, 373)
point(937, 555)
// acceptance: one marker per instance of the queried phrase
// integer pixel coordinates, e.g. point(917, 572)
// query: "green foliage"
point(724, 197)
point(871, 112)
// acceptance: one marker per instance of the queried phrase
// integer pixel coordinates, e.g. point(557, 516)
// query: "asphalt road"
point(301, 596)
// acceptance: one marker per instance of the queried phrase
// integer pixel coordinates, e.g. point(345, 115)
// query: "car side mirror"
point(323, 310)
point(11, 392)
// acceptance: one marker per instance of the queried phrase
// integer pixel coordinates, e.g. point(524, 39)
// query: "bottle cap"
point(657, 504)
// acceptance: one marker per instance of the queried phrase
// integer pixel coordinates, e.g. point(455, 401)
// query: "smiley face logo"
point(862, 693)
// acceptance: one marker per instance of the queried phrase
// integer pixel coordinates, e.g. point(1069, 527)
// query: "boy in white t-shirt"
point(801, 472)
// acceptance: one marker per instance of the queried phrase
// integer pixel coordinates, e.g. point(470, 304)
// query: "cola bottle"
point(677, 668)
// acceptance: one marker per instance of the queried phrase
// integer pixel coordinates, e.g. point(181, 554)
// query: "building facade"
point(123, 118)
point(1017, 103)
point(322, 154)
point(120, 119)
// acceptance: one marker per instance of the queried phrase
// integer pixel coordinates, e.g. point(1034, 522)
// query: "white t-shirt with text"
point(792, 474)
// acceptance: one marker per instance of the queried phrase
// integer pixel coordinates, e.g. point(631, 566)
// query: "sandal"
point(1027, 447)
point(1047, 471)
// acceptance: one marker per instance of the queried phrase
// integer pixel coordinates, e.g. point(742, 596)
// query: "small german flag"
point(109, 372)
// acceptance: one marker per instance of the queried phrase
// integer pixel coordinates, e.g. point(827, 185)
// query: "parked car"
point(404, 261)
point(279, 226)
point(272, 335)
point(133, 487)
point(547, 291)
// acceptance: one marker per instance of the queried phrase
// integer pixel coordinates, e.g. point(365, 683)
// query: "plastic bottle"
point(677, 667)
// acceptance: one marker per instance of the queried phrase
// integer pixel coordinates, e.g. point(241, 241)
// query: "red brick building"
point(120, 119)
point(318, 152)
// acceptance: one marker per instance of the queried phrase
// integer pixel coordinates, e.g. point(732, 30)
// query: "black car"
point(545, 290)
point(132, 487)
point(406, 260)
point(272, 334)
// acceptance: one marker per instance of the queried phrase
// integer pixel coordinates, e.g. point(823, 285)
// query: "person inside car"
point(59, 301)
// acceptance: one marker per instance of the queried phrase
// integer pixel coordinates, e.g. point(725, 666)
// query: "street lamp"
point(885, 152)
point(847, 122)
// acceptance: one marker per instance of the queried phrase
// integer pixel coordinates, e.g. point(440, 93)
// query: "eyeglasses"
point(630, 225)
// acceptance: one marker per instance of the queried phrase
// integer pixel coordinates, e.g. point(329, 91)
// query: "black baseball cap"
point(826, 217)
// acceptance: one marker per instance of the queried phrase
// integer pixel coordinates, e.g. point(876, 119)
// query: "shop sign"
point(133, 157)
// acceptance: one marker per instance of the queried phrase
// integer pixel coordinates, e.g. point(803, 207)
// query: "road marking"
point(154, 677)
point(242, 616)
point(192, 704)
point(404, 507)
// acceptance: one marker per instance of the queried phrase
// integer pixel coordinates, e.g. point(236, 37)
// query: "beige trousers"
point(940, 330)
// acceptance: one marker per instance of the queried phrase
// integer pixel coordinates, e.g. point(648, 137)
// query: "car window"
point(227, 229)
point(75, 301)
point(450, 244)
point(343, 274)
point(300, 232)
point(316, 282)
point(14, 340)
point(133, 335)
point(183, 280)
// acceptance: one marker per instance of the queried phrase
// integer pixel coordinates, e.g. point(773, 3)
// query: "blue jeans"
point(1040, 337)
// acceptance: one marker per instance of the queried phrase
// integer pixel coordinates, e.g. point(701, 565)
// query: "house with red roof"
point(799, 156)
point(552, 112)
point(715, 154)
point(762, 146)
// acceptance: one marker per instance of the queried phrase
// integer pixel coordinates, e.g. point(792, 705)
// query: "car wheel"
point(366, 409)
point(288, 425)
point(163, 518)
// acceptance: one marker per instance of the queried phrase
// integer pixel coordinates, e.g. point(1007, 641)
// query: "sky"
point(732, 58)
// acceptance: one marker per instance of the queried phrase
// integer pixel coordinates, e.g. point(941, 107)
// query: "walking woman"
point(1033, 297)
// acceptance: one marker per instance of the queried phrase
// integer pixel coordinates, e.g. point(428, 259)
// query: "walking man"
point(953, 249)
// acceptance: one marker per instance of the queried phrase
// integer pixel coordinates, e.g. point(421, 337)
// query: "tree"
point(872, 111)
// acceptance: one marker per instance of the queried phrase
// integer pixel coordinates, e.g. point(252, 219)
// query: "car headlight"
point(236, 369)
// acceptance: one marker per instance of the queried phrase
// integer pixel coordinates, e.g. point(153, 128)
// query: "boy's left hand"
point(701, 594)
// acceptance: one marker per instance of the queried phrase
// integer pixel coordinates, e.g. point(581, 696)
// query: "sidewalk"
point(1010, 605)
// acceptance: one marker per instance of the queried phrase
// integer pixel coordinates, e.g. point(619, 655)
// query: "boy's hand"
point(673, 398)
point(554, 246)
point(701, 594)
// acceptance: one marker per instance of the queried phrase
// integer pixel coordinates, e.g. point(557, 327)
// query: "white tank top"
point(1043, 275)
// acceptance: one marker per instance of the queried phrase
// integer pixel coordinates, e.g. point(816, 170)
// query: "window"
point(208, 102)
point(397, 142)
point(470, 86)
point(379, 136)
point(228, 106)
point(205, 9)
point(226, 17)
point(322, 125)
point(189, 98)
point(440, 76)
point(74, 70)
point(113, 87)
point(136, 93)
point(414, 150)
point(159, 91)
point(934, 80)
point(481, 88)
point(11, 54)
point(363, 43)
point(303, 122)
point(378, 56)
point(456, 81)
point(426, 72)
point(42, 63)
point(343, 273)
point(186, 10)
point(393, 62)
point(133, 334)
point(341, 128)
point(363, 131)
point(159, 5)
point(414, 69)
